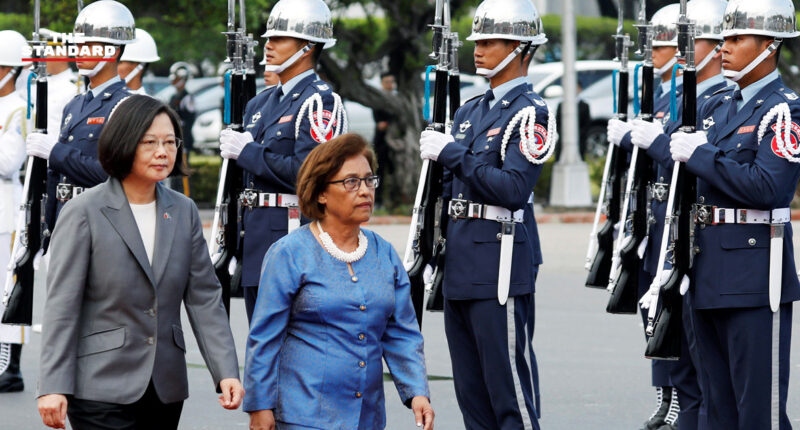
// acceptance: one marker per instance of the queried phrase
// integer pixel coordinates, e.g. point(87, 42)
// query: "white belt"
point(712, 215)
point(458, 208)
point(256, 199)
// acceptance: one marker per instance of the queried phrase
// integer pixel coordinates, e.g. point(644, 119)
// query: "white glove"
point(616, 130)
point(644, 133)
point(431, 144)
point(660, 279)
point(427, 274)
point(642, 247)
point(40, 144)
point(685, 285)
point(232, 142)
point(682, 145)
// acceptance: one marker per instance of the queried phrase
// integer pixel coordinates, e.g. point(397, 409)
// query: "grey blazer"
point(111, 321)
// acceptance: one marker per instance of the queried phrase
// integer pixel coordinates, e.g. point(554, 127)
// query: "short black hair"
point(130, 119)
point(318, 47)
point(385, 74)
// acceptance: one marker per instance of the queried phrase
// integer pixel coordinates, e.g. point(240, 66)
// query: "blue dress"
point(317, 337)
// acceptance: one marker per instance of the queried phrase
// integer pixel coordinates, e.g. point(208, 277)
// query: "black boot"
point(671, 420)
point(663, 400)
point(11, 379)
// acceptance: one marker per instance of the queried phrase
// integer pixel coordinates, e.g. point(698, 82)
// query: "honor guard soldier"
point(13, 127)
point(745, 155)
point(665, 48)
point(182, 102)
point(72, 154)
point(282, 125)
point(492, 160)
point(136, 59)
point(653, 137)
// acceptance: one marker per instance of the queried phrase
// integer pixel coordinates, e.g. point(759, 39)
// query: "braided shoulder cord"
point(526, 118)
point(314, 105)
point(783, 128)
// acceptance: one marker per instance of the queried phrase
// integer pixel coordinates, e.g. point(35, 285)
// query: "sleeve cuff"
point(451, 153)
point(702, 158)
point(248, 157)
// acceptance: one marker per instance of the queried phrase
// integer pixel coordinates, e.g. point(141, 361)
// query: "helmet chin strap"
point(490, 73)
point(11, 73)
point(709, 57)
point(665, 68)
point(288, 63)
point(135, 72)
point(736, 76)
point(90, 73)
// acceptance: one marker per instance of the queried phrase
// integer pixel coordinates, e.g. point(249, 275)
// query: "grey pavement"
point(592, 370)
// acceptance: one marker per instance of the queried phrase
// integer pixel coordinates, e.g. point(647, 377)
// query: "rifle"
point(665, 329)
point(31, 229)
point(426, 241)
point(225, 227)
point(624, 281)
point(600, 266)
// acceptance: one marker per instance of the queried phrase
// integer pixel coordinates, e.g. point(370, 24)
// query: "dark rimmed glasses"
point(170, 143)
point(353, 184)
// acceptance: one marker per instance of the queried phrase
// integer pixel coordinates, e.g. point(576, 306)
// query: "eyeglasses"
point(353, 184)
point(170, 143)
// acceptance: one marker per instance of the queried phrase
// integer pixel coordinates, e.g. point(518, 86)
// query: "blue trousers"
point(494, 367)
point(744, 362)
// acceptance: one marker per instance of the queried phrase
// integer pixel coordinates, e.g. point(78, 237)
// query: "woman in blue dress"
point(333, 301)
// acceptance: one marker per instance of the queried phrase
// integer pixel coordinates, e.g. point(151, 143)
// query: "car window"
point(587, 77)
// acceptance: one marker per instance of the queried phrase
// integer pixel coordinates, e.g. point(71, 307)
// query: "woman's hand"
point(232, 393)
point(262, 420)
point(423, 412)
point(53, 409)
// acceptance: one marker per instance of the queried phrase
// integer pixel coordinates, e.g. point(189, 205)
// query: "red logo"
point(540, 134)
point(793, 137)
point(97, 120)
point(327, 118)
point(286, 118)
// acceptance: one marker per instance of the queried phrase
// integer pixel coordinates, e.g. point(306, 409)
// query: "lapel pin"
point(506, 102)
point(166, 216)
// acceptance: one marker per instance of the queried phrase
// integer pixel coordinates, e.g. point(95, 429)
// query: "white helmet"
point(106, 21)
point(302, 19)
point(182, 70)
point(665, 30)
point(708, 16)
point(508, 19)
point(12, 45)
point(143, 50)
point(772, 18)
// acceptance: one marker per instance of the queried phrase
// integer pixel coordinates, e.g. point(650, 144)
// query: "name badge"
point(285, 119)
point(493, 132)
point(746, 129)
point(97, 120)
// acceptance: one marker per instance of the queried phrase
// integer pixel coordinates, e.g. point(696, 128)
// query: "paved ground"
point(593, 375)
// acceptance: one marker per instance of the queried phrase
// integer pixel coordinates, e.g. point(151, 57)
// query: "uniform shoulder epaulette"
point(322, 86)
point(788, 94)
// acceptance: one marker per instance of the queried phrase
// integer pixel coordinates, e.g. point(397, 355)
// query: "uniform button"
point(738, 145)
point(70, 138)
point(279, 133)
point(701, 199)
point(751, 242)
point(358, 394)
point(361, 364)
point(361, 336)
point(362, 307)
point(499, 236)
point(150, 312)
point(486, 147)
point(91, 135)
point(696, 249)
point(460, 196)
point(149, 340)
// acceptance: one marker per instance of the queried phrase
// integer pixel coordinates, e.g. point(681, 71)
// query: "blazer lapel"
point(118, 212)
point(165, 231)
point(750, 109)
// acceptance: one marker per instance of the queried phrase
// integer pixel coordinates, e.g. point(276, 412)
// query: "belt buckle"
point(458, 208)
point(660, 191)
point(249, 198)
point(704, 214)
point(63, 192)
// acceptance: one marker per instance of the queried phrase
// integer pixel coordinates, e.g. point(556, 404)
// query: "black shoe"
point(11, 379)
point(663, 400)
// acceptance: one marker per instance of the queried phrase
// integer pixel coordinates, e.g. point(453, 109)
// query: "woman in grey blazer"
point(125, 255)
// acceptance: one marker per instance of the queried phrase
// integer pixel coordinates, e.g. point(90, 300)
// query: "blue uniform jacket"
point(73, 159)
point(474, 171)
point(271, 163)
point(736, 171)
point(317, 338)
